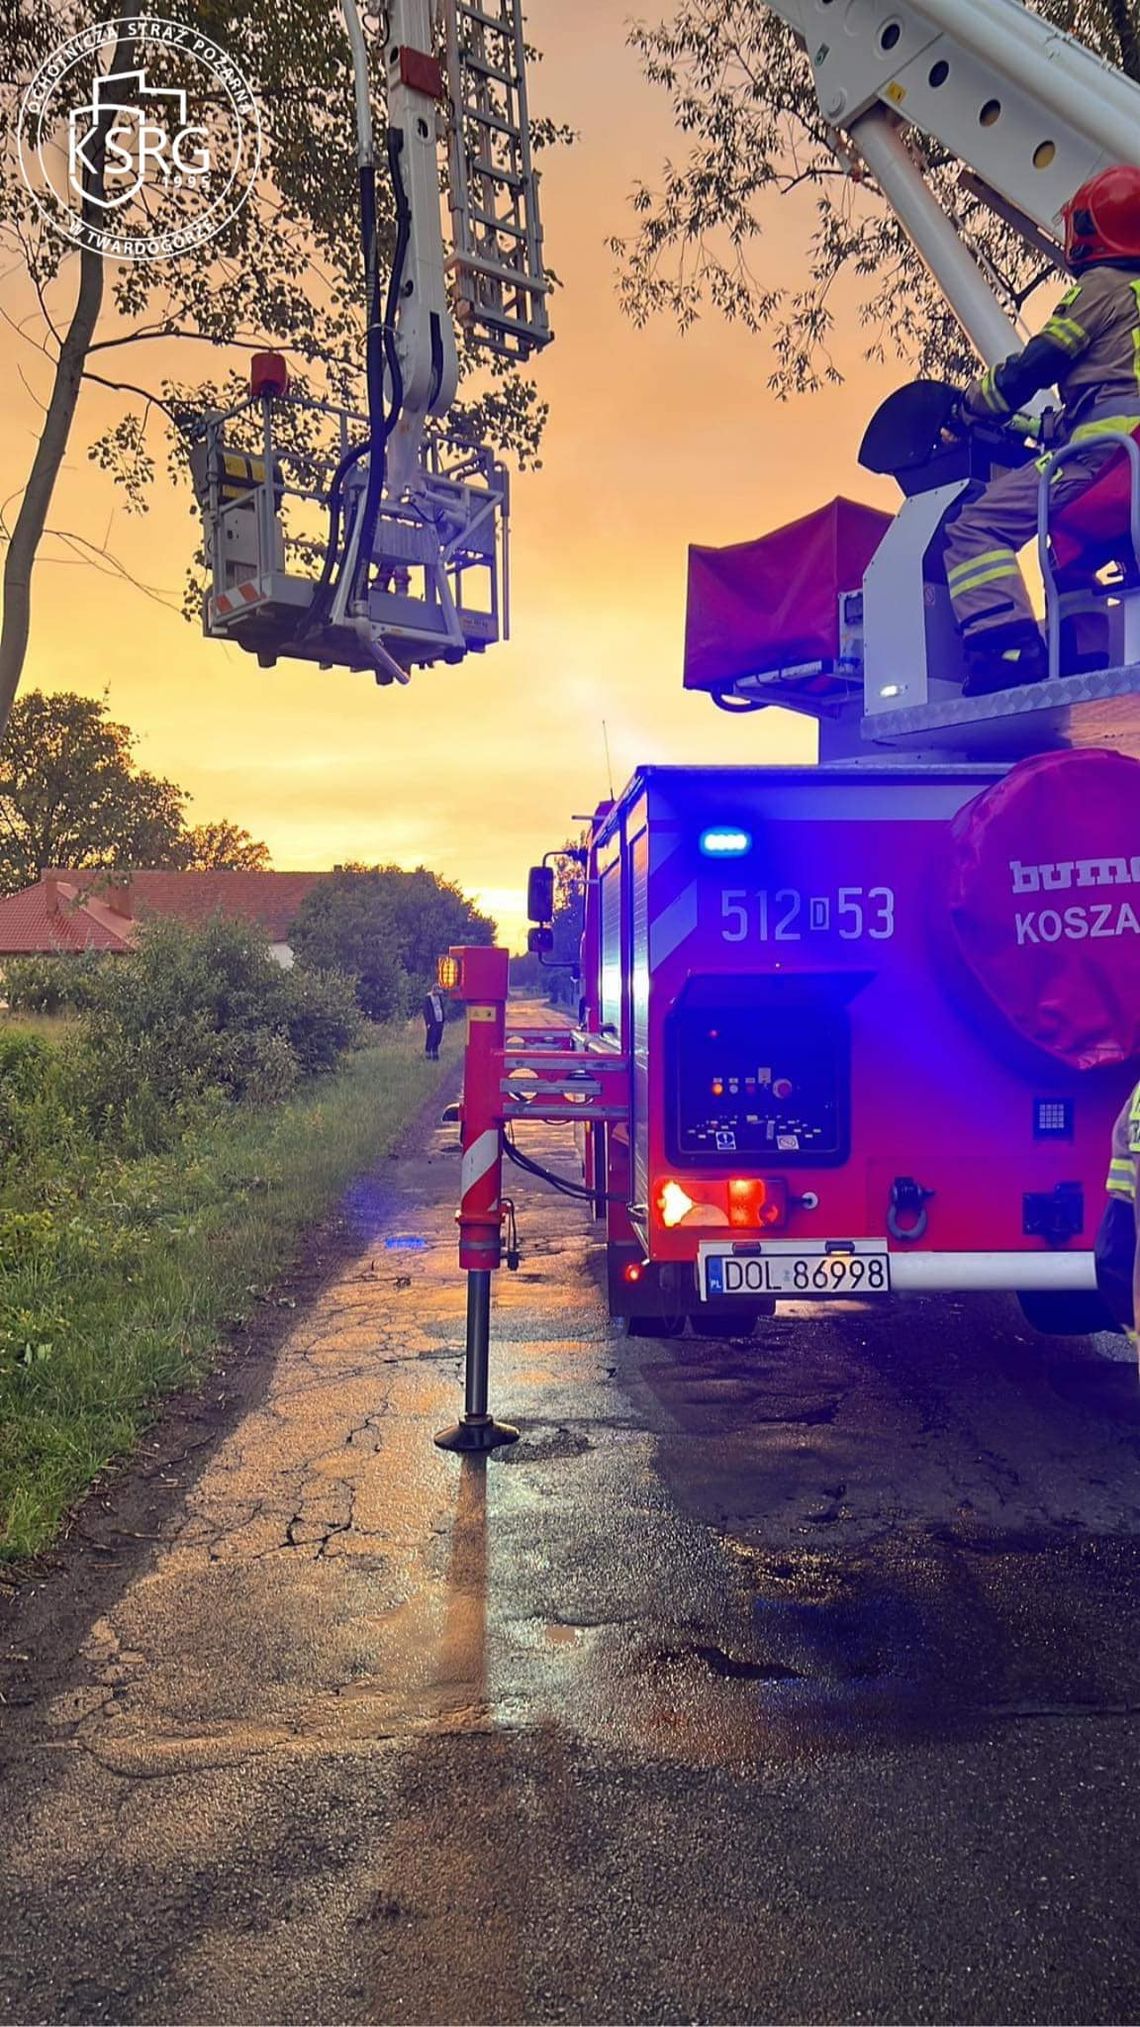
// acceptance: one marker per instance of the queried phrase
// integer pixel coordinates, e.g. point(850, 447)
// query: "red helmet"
point(1102, 220)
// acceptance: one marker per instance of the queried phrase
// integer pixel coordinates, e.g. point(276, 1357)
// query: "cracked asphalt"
point(790, 1680)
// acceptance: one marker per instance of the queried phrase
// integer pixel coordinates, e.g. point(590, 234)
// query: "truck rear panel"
point(808, 1065)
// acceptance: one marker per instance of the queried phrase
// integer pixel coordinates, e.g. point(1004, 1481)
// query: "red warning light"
point(633, 1272)
point(754, 1203)
point(268, 374)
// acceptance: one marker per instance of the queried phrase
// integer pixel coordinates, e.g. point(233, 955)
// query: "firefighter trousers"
point(987, 589)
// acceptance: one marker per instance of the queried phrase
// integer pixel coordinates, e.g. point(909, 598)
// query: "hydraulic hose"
point(381, 349)
point(562, 1183)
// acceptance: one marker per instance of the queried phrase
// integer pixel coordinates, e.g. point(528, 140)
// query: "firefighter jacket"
point(1124, 1168)
point(1089, 350)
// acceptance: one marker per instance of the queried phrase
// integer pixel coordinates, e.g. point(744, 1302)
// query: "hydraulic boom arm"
point(1028, 110)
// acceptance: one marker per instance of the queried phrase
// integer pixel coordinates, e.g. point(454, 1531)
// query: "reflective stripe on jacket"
point(1125, 1163)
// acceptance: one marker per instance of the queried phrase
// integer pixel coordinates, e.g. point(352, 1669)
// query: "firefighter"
point(1118, 1240)
point(1089, 350)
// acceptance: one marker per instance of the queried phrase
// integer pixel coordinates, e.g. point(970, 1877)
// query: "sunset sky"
point(654, 441)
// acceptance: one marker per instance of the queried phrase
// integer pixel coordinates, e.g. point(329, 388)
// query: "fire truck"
point(862, 1028)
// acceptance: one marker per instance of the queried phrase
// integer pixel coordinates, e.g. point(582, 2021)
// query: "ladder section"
point(501, 286)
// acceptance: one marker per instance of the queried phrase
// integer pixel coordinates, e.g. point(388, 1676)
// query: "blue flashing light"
point(726, 841)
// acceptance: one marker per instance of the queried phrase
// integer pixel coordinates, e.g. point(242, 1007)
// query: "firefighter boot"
point(1084, 644)
point(1004, 658)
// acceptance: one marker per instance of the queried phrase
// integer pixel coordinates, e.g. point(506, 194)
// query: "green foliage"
point(114, 1291)
point(742, 95)
point(322, 1019)
point(70, 796)
point(35, 1115)
point(196, 1017)
point(223, 848)
point(385, 928)
point(345, 925)
point(52, 985)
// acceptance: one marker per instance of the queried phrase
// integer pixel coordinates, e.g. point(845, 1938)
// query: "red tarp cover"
point(1044, 903)
point(1098, 518)
point(774, 602)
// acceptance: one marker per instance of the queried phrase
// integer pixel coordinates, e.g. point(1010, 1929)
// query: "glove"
point(984, 401)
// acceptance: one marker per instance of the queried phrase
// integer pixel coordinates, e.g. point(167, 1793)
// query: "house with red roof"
point(92, 909)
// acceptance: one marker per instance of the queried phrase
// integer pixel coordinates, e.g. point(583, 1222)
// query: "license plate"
point(810, 1273)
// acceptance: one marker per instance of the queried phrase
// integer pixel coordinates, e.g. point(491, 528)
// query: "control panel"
point(769, 1083)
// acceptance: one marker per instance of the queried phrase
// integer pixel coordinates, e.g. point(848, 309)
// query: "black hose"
point(562, 1183)
point(319, 603)
point(380, 347)
point(736, 707)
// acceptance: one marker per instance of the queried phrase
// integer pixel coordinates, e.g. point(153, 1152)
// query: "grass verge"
point(116, 1298)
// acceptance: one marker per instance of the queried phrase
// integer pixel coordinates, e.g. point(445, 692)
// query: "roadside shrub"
point(25, 1062)
point(196, 1019)
point(322, 1019)
point(36, 1121)
point(53, 985)
point(269, 1068)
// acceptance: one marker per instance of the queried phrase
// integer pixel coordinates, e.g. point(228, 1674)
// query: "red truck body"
point(820, 1093)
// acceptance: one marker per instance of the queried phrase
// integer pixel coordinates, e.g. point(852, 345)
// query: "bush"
point(322, 1018)
point(194, 1019)
point(53, 985)
point(36, 1121)
point(25, 1060)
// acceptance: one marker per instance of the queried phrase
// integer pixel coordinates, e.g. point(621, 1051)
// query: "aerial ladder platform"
point(380, 540)
point(1029, 114)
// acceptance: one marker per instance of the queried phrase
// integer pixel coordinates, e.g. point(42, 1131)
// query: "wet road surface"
point(788, 1680)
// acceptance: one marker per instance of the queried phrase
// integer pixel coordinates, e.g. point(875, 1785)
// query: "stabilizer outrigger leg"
point(477, 1430)
point(481, 979)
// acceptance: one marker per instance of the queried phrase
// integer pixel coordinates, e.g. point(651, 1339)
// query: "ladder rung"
point(492, 121)
point(476, 166)
point(480, 65)
point(482, 20)
point(510, 277)
point(490, 224)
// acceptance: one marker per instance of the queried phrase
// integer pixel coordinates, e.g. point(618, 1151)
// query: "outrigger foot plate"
point(476, 1433)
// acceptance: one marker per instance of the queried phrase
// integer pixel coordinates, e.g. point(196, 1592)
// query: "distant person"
point(1118, 1240)
point(433, 1023)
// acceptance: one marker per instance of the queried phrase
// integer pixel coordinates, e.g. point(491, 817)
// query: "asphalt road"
point(794, 1680)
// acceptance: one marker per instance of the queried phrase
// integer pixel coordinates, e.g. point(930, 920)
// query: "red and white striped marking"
point(237, 600)
point(478, 1160)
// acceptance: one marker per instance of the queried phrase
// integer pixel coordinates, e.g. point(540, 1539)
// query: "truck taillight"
point(754, 1203)
point(674, 1204)
point(746, 1203)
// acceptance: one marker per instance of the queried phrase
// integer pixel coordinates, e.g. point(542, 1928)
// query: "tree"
point(70, 795)
point(564, 983)
point(385, 927)
point(428, 915)
point(742, 94)
point(223, 848)
point(286, 271)
point(345, 925)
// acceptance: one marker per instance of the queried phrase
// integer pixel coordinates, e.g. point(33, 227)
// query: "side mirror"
point(540, 942)
point(540, 894)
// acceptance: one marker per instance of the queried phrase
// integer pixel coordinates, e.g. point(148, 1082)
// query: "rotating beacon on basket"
point(381, 540)
point(865, 1027)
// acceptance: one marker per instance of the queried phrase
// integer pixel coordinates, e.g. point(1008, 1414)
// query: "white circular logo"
point(139, 138)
